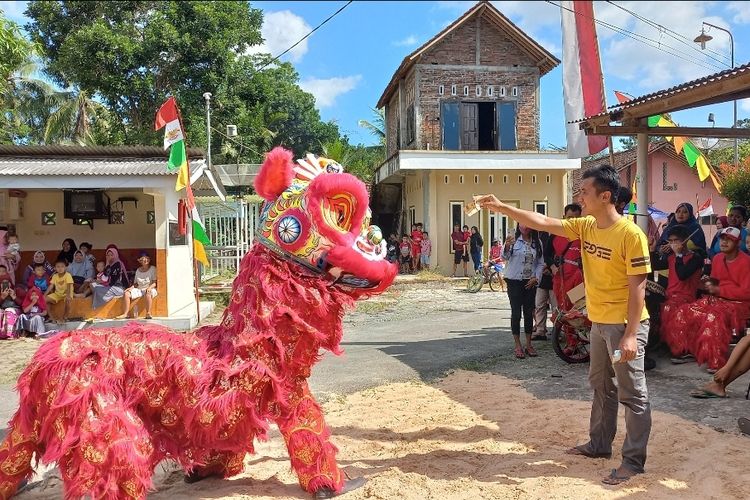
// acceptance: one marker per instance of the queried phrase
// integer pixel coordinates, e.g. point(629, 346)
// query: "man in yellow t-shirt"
point(616, 262)
point(60, 287)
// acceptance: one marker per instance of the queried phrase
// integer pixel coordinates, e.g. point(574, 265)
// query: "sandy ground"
point(472, 436)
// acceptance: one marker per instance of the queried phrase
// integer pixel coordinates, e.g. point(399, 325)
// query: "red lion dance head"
point(108, 404)
point(318, 216)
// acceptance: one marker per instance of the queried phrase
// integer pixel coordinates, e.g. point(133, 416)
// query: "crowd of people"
point(411, 252)
point(25, 294)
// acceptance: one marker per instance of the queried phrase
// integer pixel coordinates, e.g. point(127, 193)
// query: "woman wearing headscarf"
point(34, 310)
point(81, 270)
point(118, 280)
point(39, 258)
point(68, 251)
point(721, 223)
point(684, 216)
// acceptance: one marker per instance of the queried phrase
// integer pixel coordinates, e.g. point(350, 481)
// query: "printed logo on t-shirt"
point(594, 249)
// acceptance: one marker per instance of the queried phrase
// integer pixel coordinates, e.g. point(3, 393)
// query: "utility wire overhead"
point(276, 58)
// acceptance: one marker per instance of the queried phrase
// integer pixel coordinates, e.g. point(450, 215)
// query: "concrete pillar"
point(642, 184)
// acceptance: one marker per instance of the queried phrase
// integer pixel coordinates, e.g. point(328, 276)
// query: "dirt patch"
point(477, 436)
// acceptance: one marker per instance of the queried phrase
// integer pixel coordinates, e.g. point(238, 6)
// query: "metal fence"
point(230, 225)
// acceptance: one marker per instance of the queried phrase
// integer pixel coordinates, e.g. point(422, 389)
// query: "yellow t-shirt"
point(609, 256)
point(61, 283)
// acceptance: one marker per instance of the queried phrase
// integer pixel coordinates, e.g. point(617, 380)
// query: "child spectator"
point(9, 310)
point(100, 279)
point(144, 286)
point(416, 246)
point(61, 288)
point(34, 309)
point(81, 269)
point(86, 248)
point(425, 250)
point(685, 269)
point(392, 248)
point(496, 260)
point(39, 258)
point(405, 249)
point(39, 279)
point(706, 325)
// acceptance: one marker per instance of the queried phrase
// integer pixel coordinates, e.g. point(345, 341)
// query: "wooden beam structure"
point(623, 130)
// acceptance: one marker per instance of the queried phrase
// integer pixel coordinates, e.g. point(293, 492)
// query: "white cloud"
point(326, 90)
point(280, 31)
point(745, 105)
point(409, 41)
point(14, 11)
point(741, 12)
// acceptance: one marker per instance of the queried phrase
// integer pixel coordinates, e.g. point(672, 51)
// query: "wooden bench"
point(81, 308)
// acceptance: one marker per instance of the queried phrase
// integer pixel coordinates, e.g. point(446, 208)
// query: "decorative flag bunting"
point(694, 157)
point(200, 238)
point(168, 117)
point(583, 85)
point(707, 208)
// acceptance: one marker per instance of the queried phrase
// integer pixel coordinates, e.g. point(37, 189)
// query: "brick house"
point(462, 118)
point(671, 181)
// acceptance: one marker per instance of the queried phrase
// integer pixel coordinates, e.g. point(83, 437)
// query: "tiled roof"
point(714, 79)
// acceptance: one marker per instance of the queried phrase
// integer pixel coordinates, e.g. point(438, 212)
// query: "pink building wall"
point(681, 184)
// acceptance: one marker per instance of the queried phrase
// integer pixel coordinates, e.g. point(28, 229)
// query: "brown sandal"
point(519, 353)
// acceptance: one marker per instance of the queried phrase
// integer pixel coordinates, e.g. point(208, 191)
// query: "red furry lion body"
point(109, 404)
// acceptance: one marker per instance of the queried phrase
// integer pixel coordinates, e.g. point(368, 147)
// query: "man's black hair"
point(624, 196)
point(605, 178)
point(61, 261)
point(679, 231)
point(741, 209)
point(37, 264)
point(575, 207)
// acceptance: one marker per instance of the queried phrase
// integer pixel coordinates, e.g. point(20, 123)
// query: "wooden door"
point(469, 126)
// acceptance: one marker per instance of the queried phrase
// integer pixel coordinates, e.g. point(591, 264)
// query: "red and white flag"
point(707, 208)
point(583, 86)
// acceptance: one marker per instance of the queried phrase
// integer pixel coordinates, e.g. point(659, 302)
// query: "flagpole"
point(191, 201)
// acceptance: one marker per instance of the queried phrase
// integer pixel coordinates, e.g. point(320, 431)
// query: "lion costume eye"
point(338, 211)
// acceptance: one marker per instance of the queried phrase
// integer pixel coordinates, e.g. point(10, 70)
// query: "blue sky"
point(347, 63)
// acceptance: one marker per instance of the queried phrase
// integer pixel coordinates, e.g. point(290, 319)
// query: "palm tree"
point(75, 118)
point(377, 125)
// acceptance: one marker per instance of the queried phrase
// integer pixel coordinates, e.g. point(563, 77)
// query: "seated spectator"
point(39, 258)
point(737, 365)
point(68, 250)
point(737, 217)
point(683, 216)
point(60, 288)
point(144, 285)
point(721, 223)
point(81, 269)
point(116, 283)
point(99, 279)
point(685, 268)
point(39, 279)
point(706, 325)
point(86, 248)
point(34, 310)
point(9, 310)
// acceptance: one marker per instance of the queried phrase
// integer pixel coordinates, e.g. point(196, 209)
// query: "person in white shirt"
point(144, 285)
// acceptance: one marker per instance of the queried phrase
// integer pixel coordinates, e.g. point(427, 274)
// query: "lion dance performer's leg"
point(16, 452)
point(312, 454)
point(218, 464)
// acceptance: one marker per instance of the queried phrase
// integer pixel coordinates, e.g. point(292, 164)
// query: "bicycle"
point(492, 274)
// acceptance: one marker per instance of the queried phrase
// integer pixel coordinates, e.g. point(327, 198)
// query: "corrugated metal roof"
point(121, 152)
point(714, 79)
point(83, 166)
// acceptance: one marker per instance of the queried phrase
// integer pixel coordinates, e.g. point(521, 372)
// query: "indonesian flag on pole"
point(168, 117)
point(583, 86)
point(707, 208)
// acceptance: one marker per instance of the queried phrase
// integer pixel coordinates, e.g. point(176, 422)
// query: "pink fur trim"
point(329, 185)
point(275, 174)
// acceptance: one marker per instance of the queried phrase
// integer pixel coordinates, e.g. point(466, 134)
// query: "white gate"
point(230, 226)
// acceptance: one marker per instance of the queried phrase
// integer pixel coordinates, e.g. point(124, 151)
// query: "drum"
point(654, 288)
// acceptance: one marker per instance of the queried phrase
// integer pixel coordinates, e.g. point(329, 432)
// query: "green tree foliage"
point(736, 182)
point(137, 53)
point(15, 56)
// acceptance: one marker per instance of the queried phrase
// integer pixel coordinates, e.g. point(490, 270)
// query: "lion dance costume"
point(107, 405)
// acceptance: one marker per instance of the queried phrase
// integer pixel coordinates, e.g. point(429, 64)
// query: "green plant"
point(736, 182)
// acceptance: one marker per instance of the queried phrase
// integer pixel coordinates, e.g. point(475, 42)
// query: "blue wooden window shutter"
point(506, 119)
point(450, 125)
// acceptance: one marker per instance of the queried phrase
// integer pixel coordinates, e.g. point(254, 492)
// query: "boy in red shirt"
point(416, 246)
point(405, 251)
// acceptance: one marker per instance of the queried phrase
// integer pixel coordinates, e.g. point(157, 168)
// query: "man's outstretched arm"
point(533, 220)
